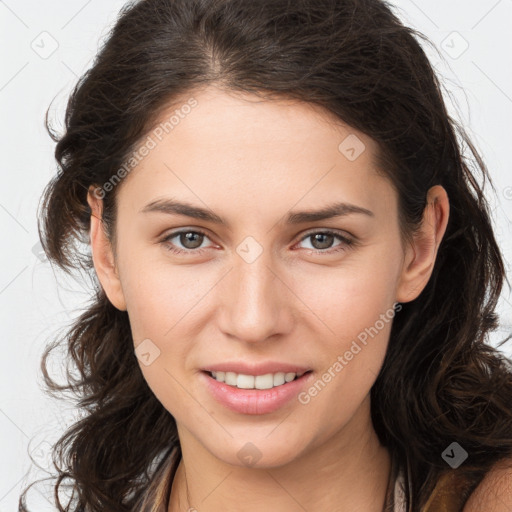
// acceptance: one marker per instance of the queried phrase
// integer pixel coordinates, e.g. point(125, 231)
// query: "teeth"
point(242, 381)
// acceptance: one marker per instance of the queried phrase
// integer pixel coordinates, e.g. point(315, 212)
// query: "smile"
point(251, 399)
point(243, 381)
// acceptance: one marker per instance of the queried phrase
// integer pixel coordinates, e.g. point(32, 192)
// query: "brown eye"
point(185, 241)
point(321, 241)
point(191, 239)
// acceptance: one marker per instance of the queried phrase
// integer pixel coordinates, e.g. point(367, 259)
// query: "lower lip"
point(255, 401)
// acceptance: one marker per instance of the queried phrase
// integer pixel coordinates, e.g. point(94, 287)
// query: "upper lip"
point(256, 369)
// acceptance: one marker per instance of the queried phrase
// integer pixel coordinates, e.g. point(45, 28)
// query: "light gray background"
point(45, 47)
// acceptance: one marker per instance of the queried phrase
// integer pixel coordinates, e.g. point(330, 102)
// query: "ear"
point(102, 253)
point(421, 253)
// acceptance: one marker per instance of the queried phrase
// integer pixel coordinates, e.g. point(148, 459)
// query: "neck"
point(349, 472)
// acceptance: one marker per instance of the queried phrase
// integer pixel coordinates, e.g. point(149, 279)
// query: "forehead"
point(214, 143)
point(232, 117)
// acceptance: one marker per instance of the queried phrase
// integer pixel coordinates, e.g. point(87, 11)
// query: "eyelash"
point(346, 242)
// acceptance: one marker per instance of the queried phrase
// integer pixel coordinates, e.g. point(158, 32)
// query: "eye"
point(321, 240)
point(190, 239)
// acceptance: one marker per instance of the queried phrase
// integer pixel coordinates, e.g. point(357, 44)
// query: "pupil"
point(321, 237)
point(186, 238)
point(320, 240)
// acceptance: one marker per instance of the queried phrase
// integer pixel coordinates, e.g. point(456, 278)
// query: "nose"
point(255, 302)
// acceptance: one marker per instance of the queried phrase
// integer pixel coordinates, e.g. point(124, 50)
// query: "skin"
point(494, 493)
point(253, 161)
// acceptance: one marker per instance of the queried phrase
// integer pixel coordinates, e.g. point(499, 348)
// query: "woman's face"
point(272, 284)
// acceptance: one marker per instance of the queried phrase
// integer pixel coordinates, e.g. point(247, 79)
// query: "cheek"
point(162, 305)
point(356, 319)
point(355, 328)
point(352, 296)
point(353, 308)
point(159, 296)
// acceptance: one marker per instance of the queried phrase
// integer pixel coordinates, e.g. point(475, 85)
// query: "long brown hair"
point(440, 382)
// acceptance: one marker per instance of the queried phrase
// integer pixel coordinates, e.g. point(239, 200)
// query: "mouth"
point(255, 394)
point(256, 382)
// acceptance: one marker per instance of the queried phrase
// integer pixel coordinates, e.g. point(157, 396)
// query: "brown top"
point(449, 495)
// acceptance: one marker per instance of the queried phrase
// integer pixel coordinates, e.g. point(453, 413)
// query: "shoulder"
point(494, 492)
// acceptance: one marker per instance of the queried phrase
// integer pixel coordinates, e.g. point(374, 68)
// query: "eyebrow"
point(173, 207)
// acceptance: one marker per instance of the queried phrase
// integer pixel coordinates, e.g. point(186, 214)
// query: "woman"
point(297, 272)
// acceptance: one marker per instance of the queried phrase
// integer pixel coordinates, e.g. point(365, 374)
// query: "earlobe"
point(421, 253)
point(102, 254)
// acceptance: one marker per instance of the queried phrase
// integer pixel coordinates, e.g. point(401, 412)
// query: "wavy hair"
point(441, 381)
